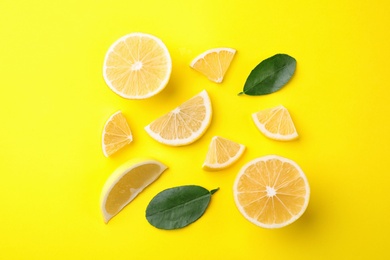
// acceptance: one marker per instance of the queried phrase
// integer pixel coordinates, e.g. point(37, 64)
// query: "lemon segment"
point(185, 124)
point(222, 153)
point(126, 182)
point(214, 63)
point(116, 134)
point(275, 123)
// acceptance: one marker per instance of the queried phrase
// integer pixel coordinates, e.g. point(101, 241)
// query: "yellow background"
point(54, 103)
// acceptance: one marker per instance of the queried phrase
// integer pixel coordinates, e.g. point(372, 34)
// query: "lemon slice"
point(214, 63)
point(222, 153)
point(184, 124)
point(126, 182)
point(271, 191)
point(116, 134)
point(275, 123)
point(137, 66)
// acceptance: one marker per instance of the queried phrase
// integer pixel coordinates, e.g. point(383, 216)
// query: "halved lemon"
point(185, 124)
point(126, 182)
point(214, 63)
point(137, 66)
point(222, 153)
point(275, 123)
point(271, 191)
point(116, 134)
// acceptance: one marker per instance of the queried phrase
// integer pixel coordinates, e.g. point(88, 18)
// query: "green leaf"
point(270, 75)
point(178, 207)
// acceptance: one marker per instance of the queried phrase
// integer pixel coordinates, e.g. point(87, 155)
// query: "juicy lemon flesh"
point(222, 153)
point(138, 67)
point(185, 124)
point(272, 197)
point(130, 185)
point(277, 121)
point(214, 64)
point(116, 135)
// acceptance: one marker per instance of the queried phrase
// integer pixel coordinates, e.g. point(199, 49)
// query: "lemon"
point(275, 123)
point(222, 153)
point(126, 182)
point(116, 134)
point(214, 63)
point(185, 124)
point(137, 66)
point(271, 191)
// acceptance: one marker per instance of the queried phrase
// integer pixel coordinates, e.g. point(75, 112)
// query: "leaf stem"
point(214, 191)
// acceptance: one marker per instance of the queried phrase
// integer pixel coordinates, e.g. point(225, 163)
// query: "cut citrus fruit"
point(126, 182)
point(137, 66)
point(116, 134)
point(222, 153)
point(214, 63)
point(275, 123)
point(184, 124)
point(271, 191)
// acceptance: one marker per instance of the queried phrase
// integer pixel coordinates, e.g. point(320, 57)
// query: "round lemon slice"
point(137, 66)
point(271, 191)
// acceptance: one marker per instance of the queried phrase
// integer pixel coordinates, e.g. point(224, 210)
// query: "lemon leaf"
point(270, 75)
point(178, 207)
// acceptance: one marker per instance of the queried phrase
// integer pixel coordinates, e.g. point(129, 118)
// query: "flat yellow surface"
point(54, 103)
